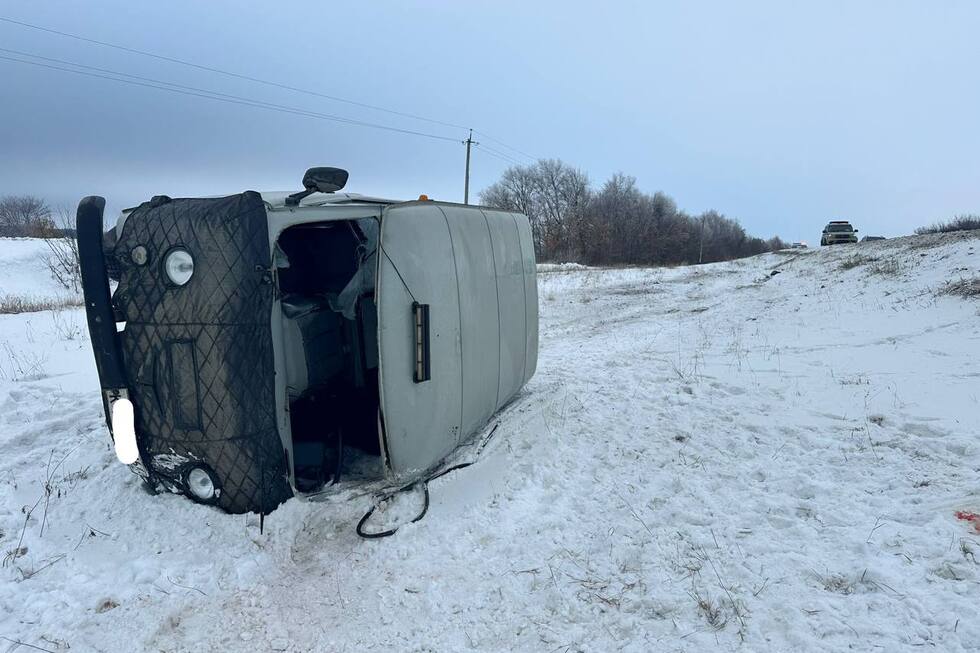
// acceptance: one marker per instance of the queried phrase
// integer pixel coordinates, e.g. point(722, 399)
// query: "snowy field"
point(763, 455)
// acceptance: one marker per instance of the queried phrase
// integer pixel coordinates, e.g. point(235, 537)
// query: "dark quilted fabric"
point(199, 357)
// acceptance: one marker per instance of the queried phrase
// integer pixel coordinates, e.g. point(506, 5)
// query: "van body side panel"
point(530, 295)
point(416, 263)
point(479, 314)
point(511, 294)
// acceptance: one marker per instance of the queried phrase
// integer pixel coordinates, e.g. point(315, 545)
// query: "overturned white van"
point(251, 337)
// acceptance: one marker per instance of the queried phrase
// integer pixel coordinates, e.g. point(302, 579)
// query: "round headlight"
point(179, 266)
point(200, 485)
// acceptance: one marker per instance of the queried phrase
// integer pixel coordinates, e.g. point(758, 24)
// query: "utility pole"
point(466, 186)
point(701, 246)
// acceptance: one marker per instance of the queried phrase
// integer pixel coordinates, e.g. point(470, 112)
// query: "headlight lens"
point(200, 484)
point(124, 431)
point(179, 266)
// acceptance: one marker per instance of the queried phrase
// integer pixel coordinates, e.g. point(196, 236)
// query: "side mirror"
point(325, 180)
point(319, 180)
point(855, 231)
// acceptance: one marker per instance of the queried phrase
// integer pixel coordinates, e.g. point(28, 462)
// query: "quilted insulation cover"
point(199, 358)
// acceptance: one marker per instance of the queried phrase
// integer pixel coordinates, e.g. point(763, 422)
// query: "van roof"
point(277, 199)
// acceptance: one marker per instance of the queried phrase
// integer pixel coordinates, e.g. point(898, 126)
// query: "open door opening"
point(329, 334)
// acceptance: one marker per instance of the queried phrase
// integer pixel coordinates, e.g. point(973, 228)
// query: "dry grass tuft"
point(711, 612)
point(959, 223)
point(966, 288)
point(838, 584)
point(14, 304)
point(855, 261)
point(929, 241)
point(889, 267)
point(21, 364)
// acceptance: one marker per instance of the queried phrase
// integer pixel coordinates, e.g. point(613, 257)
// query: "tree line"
point(27, 216)
point(618, 224)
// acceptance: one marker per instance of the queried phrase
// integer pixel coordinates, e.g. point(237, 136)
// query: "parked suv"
point(838, 231)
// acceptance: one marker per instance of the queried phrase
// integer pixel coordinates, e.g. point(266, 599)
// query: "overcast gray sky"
point(781, 114)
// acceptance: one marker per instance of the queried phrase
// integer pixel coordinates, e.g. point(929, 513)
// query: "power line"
point(500, 142)
point(497, 154)
point(259, 80)
point(504, 158)
point(229, 73)
point(192, 91)
point(500, 154)
point(507, 161)
point(147, 82)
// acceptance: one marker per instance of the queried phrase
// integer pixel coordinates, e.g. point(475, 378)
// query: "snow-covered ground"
point(763, 455)
point(24, 270)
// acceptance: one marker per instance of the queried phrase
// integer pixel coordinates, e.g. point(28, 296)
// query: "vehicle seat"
point(313, 343)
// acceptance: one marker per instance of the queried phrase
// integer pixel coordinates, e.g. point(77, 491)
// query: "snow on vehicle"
point(250, 336)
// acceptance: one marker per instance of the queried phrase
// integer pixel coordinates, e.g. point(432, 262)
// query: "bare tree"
point(25, 215)
point(517, 191)
point(561, 190)
point(548, 193)
point(611, 222)
point(62, 258)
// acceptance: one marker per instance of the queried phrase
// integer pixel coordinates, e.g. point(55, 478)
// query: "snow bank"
point(766, 454)
point(560, 267)
point(24, 271)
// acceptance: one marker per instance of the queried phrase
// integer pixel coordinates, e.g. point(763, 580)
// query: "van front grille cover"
point(198, 357)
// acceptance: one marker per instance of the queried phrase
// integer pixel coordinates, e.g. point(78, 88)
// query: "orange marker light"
point(423, 198)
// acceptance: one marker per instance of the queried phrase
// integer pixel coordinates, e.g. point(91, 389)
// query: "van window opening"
point(329, 337)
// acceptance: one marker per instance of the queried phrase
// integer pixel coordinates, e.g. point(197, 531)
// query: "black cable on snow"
point(368, 535)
